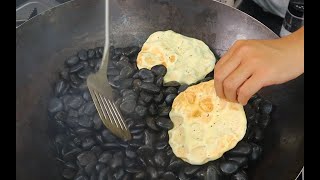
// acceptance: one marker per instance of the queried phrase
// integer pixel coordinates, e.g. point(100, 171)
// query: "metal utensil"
point(101, 92)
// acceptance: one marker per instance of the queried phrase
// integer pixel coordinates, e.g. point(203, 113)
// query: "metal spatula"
point(101, 93)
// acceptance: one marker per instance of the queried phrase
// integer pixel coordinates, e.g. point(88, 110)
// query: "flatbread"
point(205, 126)
point(187, 60)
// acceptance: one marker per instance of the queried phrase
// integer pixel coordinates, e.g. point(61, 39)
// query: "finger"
point(233, 82)
point(250, 87)
point(221, 74)
point(219, 88)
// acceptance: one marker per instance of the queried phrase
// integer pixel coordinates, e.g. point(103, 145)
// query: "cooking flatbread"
point(187, 60)
point(205, 126)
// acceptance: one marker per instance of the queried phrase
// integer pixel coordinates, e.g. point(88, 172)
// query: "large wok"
point(45, 41)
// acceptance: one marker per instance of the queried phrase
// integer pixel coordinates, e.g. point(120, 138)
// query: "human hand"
point(250, 65)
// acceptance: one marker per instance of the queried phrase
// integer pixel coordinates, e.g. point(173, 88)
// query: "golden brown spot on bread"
point(172, 58)
point(148, 60)
point(196, 113)
point(206, 105)
point(191, 97)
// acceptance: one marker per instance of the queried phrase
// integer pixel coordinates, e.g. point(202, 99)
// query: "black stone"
point(72, 61)
point(83, 55)
point(131, 51)
point(241, 160)
point(107, 136)
point(160, 159)
point(183, 88)
point(264, 120)
point(241, 175)
point(105, 157)
point(256, 152)
point(111, 146)
point(182, 176)
point(61, 88)
point(90, 108)
point(164, 123)
point(60, 116)
point(151, 123)
point(135, 143)
point(100, 167)
point(81, 177)
point(212, 173)
point(91, 53)
point(169, 176)
point(172, 83)
point(159, 70)
point(158, 98)
point(71, 154)
point(90, 168)
point(126, 72)
point(116, 161)
point(118, 174)
point(73, 102)
point(152, 173)
point(170, 90)
point(97, 122)
point(76, 68)
point(161, 145)
point(250, 113)
point(113, 72)
point(103, 174)
point(242, 148)
point(88, 143)
point(128, 107)
point(140, 176)
point(175, 164)
point(169, 98)
point(55, 105)
point(84, 73)
point(147, 98)
point(86, 157)
point(256, 104)
point(85, 121)
point(149, 87)
point(136, 84)
point(190, 170)
point(83, 132)
point(153, 109)
point(145, 150)
point(229, 167)
point(159, 81)
point(258, 134)
point(130, 153)
point(126, 83)
point(265, 107)
point(149, 138)
point(97, 150)
point(164, 111)
point(146, 75)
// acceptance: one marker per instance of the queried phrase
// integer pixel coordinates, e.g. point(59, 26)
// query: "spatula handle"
point(105, 57)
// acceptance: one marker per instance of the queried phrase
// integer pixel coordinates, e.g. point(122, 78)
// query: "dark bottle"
point(294, 18)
